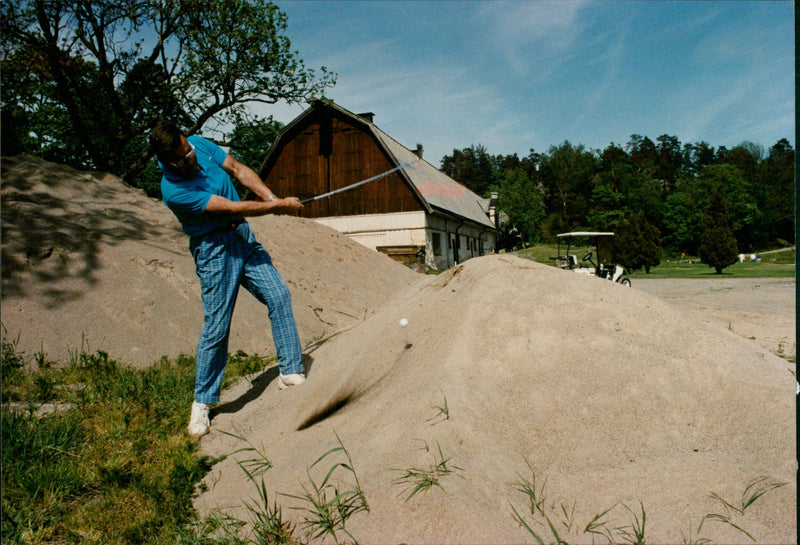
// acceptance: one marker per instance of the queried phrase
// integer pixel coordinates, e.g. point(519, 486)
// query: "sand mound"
point(89, 262)
point(609, 393)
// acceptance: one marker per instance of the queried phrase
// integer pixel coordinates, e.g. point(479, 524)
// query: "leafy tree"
point(727, 179)
point(779, 189)
point(718, 245)
point(651, 250)
point(567, 174)
point(472, 166)
point(606, 203)
point(636, 242)
point(696, 157)
point(746, 157)
point(609, 187)
point(530, 164)
point(681, 223)
point(102, 73)
point(669, 161)
point(521, 201)
point(626, 240)
point(249, 142)
point(643, 154)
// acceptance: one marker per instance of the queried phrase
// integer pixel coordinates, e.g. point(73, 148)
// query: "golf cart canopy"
point(585, 234)
point(603, 243)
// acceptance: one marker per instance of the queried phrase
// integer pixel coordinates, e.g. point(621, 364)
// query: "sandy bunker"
point(610, 394)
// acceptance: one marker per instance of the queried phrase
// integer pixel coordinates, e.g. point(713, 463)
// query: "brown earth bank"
point(611, 396)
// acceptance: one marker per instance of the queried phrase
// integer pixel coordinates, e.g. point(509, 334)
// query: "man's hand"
point(290, 204)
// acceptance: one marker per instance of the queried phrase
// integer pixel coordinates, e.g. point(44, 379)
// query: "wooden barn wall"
point(302, 171)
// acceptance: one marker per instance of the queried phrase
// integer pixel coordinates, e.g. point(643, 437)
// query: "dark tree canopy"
point(718, 247)
point(84, 81)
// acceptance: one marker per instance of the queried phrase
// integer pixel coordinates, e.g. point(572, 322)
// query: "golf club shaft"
point(362, 182)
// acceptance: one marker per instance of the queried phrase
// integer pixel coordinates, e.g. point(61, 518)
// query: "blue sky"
point(525, 74)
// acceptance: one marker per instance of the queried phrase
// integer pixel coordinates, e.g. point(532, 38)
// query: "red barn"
point(414, 213)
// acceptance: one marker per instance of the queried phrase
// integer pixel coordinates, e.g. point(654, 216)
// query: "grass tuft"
point(442, 412)
point(422, 480)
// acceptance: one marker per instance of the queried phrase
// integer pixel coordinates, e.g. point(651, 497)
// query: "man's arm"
point(247, 177)
point(251, 181)
point(217, 204)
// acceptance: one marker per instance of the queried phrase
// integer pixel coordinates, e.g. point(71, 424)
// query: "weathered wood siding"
point(303, 171)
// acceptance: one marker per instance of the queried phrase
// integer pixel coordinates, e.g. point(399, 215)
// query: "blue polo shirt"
point(187, 198)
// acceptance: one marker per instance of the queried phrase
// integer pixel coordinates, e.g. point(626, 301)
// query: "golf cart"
point(603, 246)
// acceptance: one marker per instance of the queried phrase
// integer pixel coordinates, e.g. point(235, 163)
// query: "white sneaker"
point(198, 423)
point(285, 381)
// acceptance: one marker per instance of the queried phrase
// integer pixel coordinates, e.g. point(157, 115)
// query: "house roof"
point(438, 192)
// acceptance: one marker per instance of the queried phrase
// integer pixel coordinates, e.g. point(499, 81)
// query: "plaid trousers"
point(224, 261)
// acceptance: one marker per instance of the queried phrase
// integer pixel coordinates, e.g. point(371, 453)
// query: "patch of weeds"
point(781, 352)
point(216, 529)
point(11, 358)
point(329, 504)
point(266, 518)
point(421, 480)
point(241, 364)
point(548, 522)
point(752, 491)
point(535, 495)
point(12, 363)
point(442, 412)
point(634, 534)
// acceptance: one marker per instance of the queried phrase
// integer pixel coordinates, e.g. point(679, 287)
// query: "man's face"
point(182, 160)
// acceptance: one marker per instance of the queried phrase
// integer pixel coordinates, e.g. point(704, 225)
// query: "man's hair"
point(165, 137)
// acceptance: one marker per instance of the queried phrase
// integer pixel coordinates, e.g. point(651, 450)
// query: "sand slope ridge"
point(610, 394)
point(91, 263)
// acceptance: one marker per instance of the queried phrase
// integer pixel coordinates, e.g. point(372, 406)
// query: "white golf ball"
point(403, 322)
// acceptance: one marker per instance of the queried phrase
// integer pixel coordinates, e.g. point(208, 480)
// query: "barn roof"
point(439, 192)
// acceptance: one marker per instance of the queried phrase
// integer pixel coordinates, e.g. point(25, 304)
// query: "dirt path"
point(760, 309)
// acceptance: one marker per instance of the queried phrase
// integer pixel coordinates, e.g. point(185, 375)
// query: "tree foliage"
point(637, 242)
point(522, 204)
point(657, 191)
point(471, 166)
point(85, 81)
point(718, 246)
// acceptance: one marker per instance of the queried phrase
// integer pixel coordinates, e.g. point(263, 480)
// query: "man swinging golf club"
point(197, 188)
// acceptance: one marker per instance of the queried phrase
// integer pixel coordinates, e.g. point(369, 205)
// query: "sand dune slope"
point(610, 394)
point(91, 263)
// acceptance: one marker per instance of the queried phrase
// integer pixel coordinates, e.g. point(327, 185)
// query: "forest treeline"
point(673, 196)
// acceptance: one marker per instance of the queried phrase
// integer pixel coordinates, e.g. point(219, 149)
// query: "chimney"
point(418, 151)
point(369, 116)
point(493, 208)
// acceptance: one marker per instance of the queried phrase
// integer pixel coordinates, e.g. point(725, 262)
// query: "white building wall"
point(420, 230)
point(374, 230)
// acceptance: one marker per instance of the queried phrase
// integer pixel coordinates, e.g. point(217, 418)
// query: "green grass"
point(773, 265)
point(114, 463)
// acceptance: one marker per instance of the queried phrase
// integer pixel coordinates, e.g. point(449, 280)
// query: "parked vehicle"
point(601, 246)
